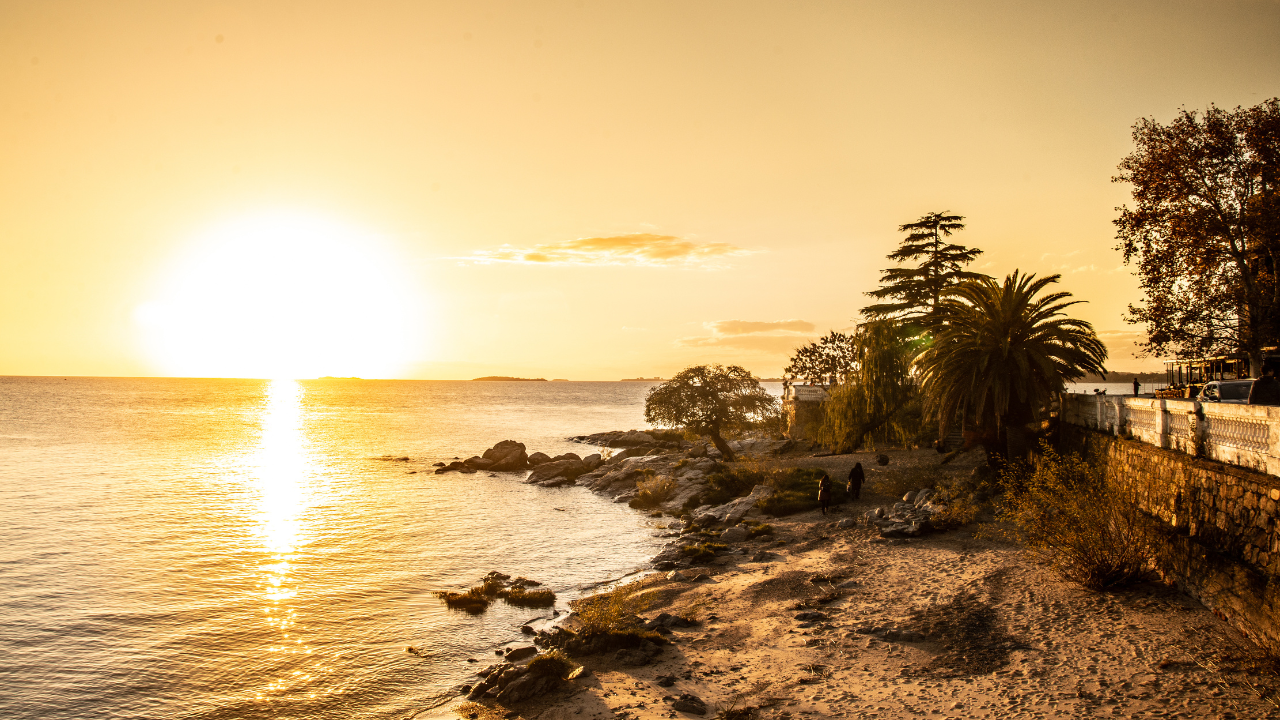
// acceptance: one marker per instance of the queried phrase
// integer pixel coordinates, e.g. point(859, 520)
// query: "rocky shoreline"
point(859, 613)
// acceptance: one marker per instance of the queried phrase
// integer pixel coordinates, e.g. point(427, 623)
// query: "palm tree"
point(1000, 353)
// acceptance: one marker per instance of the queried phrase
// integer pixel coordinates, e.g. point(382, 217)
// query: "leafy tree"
point(1000, 352)
point(873, 395)
point(1205, 230)
point(832, 355)
point(709, 400)
point(915, 291)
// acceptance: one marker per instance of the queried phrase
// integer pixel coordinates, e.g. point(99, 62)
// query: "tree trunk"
point(1255, 362)
point(722, 446)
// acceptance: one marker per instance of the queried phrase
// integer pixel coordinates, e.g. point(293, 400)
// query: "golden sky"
point(585, 190)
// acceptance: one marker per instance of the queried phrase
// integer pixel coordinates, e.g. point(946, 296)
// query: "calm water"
point(237, 549)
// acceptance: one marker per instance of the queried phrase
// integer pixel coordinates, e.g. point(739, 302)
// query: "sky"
point(582, 190)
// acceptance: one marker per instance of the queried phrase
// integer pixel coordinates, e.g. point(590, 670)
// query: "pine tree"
point(914, 292)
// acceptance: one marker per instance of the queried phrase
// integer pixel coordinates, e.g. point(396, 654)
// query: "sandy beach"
point(949, 626)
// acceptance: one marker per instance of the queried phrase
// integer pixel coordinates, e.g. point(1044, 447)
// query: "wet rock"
point(538, 458)
point(520, 653)
point(507, 456)
point(592, 461)
point(566, 467)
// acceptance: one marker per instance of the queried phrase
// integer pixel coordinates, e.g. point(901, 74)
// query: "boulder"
point(507, 456)
point(525, 687)
point(922, 497)
point(455, 465)
point(632, 438)
point(847, 523)
point(478, 463)
point(732, 512)
point(735, 534)
point(691, 704)
point(538, 458)
point(677, 576)
point(566, 456)
point(699, 450)
point(882, 459)
point(592, 461)
point(520, 653)
point(909, 497)
point(569, 468)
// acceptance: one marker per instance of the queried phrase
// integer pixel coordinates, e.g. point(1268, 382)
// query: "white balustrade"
point(1243, 435)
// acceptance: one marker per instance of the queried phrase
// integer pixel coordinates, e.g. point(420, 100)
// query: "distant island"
point(504, 377)
point(1124, 377)
point(641, 379)
point(560, 380)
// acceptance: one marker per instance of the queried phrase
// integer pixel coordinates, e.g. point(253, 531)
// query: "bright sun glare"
point(284, 295)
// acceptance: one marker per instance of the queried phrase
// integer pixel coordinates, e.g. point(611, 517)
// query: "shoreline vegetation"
point(899, 603)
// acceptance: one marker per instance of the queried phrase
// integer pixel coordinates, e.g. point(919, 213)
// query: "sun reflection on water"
point(284, 480)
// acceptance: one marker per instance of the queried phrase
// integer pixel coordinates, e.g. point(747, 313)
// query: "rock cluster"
point(514, 681)
point(909, 517)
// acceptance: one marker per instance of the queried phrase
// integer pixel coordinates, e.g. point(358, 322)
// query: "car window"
point(1235, 391)
point(1210, 392)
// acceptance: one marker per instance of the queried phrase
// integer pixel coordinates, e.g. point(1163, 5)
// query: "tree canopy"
point(831, 355)
point(914, 291)
point(874, 392)
point(1205, 230)
point(709, 400)
point(999, 352)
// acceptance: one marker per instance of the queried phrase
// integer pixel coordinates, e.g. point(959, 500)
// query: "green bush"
point(760, 531)
point(1066, 514)
point(615, 613)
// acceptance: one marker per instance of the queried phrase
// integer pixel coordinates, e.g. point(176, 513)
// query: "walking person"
point(1136, 387)
point(824, 492)
point(856, 476)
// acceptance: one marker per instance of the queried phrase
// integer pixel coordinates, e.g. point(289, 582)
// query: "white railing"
point(1243, 435)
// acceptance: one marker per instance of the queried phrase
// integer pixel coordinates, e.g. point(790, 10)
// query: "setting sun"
point(283, 295)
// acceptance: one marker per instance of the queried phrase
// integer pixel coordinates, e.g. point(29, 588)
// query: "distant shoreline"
point(509, 379)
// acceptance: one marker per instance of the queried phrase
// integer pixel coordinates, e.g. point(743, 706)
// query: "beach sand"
point(1002, 637)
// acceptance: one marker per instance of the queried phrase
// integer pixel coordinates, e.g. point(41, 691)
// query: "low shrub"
point(477, 711)
point(959, 512)
point(702, 552)
point(1066, 514)
point(760, 531)
point(553, 663)
point(653, 492)
point(728, 484)
point(520, 597)
point(470, 601)
point(796, 490)
point(615, 613)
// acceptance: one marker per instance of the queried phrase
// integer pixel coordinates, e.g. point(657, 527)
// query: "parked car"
point(1226, 391)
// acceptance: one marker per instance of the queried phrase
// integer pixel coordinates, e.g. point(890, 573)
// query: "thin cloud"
point(745, 327)
point(766, 336)
point(640, 249)
point(755, 343)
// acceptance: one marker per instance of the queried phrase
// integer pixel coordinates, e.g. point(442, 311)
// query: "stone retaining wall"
point(1220, 540)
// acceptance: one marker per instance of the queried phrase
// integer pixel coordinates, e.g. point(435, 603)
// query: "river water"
point(180, 548)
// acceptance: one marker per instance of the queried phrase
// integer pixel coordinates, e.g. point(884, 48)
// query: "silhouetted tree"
point(914, 291)
point(832, 355)
point(999, 353)
point(1205, 230)
point(709, 400)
